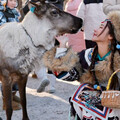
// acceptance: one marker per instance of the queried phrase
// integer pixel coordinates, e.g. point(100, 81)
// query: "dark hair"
point(113, 50)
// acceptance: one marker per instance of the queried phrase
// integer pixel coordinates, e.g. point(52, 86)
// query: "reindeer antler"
point(19, 8)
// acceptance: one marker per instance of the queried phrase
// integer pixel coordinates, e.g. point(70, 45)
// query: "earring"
point(109, 45)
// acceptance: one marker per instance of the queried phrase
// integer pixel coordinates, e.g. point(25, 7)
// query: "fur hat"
point(114, 16)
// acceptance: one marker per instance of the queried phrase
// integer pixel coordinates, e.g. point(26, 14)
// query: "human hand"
point(63, 41)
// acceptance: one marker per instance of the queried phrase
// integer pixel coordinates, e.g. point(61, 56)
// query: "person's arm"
point(81, 11)
point(64, 63)
point(72, 6)
point(110, 5)
point(60, 59)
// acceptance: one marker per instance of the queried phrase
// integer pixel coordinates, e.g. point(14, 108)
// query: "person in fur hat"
point(94, 65)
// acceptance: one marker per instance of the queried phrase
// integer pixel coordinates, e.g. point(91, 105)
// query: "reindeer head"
point(61, 21)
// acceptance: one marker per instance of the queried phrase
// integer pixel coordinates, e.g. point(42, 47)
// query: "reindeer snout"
point(78, 23)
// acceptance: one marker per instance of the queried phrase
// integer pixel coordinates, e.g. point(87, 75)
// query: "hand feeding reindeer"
point(23, 44)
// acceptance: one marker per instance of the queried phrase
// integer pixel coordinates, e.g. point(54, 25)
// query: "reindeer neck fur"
point(46, 32)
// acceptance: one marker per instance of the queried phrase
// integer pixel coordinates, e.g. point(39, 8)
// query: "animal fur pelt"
point(102, 70)
point(114, 16)
point(64, 63)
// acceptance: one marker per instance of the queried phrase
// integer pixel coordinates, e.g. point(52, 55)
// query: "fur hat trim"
point(114, 16)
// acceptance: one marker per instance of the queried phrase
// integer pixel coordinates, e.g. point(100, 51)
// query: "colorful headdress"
point(114, 16)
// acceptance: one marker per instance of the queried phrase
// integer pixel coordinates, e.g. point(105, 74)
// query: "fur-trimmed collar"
point(102, 70)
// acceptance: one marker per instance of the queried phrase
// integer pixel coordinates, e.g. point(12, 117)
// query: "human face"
point(101, 34)
point(12, 4)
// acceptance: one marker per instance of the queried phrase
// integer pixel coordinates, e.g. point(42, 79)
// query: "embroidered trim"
point(88, 55)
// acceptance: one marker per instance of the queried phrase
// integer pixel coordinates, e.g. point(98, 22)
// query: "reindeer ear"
point(38, 7)
point(35, 4)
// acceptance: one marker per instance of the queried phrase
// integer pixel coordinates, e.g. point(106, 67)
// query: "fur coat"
point(71, 59)
point(111, 5)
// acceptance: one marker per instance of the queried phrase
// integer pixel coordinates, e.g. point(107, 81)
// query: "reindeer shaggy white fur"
point(23, 44)
point(13, 39)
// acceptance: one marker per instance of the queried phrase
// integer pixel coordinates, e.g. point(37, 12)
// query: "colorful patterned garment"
point(89, 102)
point(9, 15)
point(68, 76)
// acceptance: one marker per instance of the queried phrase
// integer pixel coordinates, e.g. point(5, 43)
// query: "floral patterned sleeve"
point(17, 14)
point(2, 18)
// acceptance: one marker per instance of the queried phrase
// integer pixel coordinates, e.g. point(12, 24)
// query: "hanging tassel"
point(110, 79)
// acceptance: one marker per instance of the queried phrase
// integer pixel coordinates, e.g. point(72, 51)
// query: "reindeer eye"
point(54, 13)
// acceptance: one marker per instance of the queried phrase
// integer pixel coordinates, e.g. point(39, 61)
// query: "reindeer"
point(23, 44)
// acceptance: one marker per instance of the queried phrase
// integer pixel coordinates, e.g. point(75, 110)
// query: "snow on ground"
point(45, 106)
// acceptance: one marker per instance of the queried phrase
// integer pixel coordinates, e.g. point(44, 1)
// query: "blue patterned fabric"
point(69, 76)
point(4, 19)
